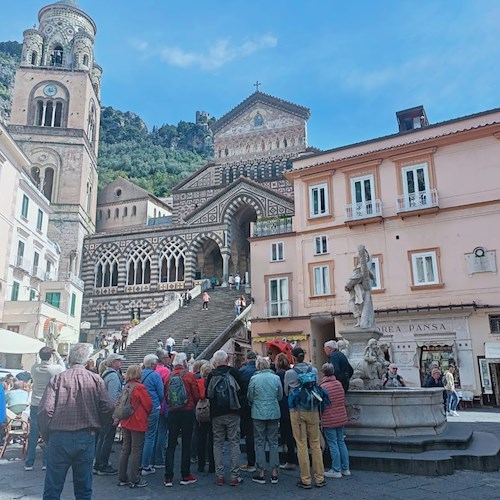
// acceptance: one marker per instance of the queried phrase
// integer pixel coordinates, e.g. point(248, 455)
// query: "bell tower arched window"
point(85, 60)
point(48, 183)
point(48, 113)
point(56, 58)
point(34, 56)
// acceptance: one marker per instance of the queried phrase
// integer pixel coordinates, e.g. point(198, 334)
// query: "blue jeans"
point(161, 441)
point(451, 400)
point(266, 431)
point(69, 449)
point(104, 445)
point(149, 441)
point(33, 440)
point(334, 436)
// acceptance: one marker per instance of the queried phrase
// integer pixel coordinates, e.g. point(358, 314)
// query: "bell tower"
point(55, 119)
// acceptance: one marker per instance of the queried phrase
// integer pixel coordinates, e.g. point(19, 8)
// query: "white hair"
point(180, 359)
point(79, 354)
point(332, 344)
point(150, 360)
point(219, 358)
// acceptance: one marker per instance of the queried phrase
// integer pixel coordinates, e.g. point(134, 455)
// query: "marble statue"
point(359, 288)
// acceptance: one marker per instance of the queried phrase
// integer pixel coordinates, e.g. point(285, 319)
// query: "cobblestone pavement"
point(15, 483)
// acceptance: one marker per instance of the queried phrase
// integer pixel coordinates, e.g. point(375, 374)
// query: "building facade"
point(424, 202)
point(132, 261)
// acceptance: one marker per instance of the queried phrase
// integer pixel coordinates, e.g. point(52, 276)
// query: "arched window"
point(109, 214)
point(48, 183)
point(117, 213)
point(85, 60)
point(48, 113)
point(139, 266)
point(106, 269)
point(134, 210)
point(91, 123)
point(125, 212)
point(171, 263)
point(34, 56)
point(56, 58)
point(89, 197)
point(99, 215)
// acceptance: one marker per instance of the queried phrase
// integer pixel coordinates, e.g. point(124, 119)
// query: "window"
point(320, 245)
point(279, 304)
point(318, 200)
point(106, 269)
point(495, 323)
point(48, 113)
point(425, 268)
point(39, 220)
point(15, 291)
point(139, 266)
point(416, 186)
point(277, 252)
point(125, 212)
point(53, 298)
point(321, 277)
point(362, 195)
point(134, 210)
point(20, 253)
point(25, 206)
point(376, 280)
point(73, 304)
point(117, 213)
point(56, 58)
point(36, 261)
point(32, 294)
point(172, 261)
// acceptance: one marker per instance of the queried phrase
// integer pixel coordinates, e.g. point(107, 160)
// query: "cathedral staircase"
point(209, 325)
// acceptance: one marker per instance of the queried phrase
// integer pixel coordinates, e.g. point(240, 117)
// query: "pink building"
point(426, 204)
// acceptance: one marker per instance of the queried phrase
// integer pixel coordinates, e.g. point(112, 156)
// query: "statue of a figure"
point(384, 359)
point(359, 288)
point(344, 347)
point(371, 358)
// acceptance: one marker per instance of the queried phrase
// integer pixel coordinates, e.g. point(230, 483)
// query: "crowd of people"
point(79, 409)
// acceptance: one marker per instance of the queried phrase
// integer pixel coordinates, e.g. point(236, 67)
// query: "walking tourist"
point(342, 368)
point(170, 342)
point(451, 393)
point(246, 373)
point(237, 281)
point(230, 281)
point(205, 441)
point(206, 300)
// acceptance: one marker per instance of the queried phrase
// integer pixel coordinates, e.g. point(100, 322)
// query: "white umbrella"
point(15, 343)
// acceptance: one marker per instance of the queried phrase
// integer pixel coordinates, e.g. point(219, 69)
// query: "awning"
point(436, 343)
point(242, 344)
point(16, 343)
point(288, 337)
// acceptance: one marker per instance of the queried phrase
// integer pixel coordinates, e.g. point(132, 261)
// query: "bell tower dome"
point(55, 119)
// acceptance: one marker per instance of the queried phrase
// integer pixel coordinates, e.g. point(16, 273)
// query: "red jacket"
point(191, 386)
point(335, 414)
point(141, 400)
point(201, 387)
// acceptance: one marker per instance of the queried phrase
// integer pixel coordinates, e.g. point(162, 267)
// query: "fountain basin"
point(395, 412)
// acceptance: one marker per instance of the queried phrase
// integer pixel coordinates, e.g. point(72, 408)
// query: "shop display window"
point(444, 355)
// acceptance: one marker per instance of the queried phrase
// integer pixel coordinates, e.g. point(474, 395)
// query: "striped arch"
point(233, 206)
point(172, 256)
point(196, 246)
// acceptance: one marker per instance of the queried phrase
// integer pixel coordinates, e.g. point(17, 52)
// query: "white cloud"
point(217, 55)
point(139, 45)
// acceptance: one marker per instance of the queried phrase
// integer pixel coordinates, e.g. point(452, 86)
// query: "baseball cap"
point(251, 355)
point(113, 357)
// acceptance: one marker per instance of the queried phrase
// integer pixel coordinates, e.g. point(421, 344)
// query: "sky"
point(354, 64)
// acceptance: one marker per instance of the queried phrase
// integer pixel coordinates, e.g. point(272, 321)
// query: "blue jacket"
point(246, 373)
point(3, 411)
point(154, 385)
point(264, 395)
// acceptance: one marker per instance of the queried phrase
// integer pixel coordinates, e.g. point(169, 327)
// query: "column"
point(225, 265)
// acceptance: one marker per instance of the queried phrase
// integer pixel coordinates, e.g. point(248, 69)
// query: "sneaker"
point(123, 483)
point(274, 479)
point(300, 484)
point(332, 473)
point(189, 479)
point(44, 467)
point(454, 413)
point(235, 481)
point(168, 482)
point(148, 470)
point(27, 467)
point(107, 471)
point(345, 472)
point(219, 480)
point(259, 479)
point(248, 468)
point(320, 485)
point(139, 484)
point(287, 466)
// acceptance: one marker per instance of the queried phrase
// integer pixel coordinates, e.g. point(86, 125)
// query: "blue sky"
point(353, 64)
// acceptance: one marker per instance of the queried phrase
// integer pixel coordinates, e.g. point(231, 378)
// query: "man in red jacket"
point(180, 420)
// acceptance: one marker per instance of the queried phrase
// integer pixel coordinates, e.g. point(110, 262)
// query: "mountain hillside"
point(156, 160)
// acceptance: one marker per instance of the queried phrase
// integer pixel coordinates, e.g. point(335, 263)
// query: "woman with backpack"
point(264, 395)
point(305, 421)
point(136, 399)
point(205, 437)
point(333, 420)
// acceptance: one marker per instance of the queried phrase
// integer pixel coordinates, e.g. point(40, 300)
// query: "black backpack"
point(224, 391)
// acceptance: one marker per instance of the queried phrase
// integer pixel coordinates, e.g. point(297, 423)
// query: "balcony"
point(38, 273)
point(22, 263)
point(426, 201)
point(363, 212)
point(50, 276)
point(278, 309)
point(271, 227)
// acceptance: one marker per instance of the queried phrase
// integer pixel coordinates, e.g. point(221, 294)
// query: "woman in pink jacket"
point(333, 420)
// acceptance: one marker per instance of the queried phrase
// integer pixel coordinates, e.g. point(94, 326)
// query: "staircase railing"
point(237, 329)
point(175, 303)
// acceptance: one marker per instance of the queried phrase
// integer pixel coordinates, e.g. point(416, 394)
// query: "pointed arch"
point(138, 263)
point(172, 260)
point(236, 203)
point(106, 267)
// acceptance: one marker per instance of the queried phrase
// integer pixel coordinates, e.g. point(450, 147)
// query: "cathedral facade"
point(129, 267)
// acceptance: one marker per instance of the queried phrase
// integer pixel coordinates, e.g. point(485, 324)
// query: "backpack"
point(203, 410)
point(177, 396)
point(309, 395)
point(124, 408)
point(224, 389)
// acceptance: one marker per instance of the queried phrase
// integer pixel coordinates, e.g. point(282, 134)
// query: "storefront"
point(489, 369)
